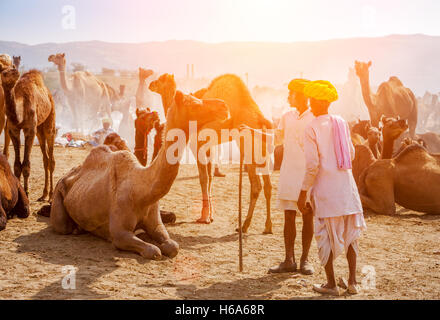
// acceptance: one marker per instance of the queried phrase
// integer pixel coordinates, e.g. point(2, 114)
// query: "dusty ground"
point(404, 251)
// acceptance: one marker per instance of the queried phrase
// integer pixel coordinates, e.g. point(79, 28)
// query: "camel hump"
point(412, 151)
point(396, 81)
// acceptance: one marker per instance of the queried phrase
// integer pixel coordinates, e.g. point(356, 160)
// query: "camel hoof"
point(203, 221)
point(152, 253)
point(169, 248)
point(267, 232)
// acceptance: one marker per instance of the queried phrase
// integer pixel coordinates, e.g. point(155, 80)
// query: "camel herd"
point(114, 193)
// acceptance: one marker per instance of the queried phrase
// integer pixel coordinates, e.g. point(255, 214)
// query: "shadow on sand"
point(91, 256)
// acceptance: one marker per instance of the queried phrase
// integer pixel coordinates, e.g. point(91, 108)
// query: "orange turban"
point(297, 85)
point(321, 90)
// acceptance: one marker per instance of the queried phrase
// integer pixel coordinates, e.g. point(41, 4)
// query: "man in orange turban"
point(290, 133)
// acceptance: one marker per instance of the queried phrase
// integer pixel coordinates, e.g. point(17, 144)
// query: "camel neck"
point(140, 103)
point(167, 100)
point(63, 81)
point(368, 97)
point(387, 150)
point(374, 149)
point(160, 175)
point(10, 105)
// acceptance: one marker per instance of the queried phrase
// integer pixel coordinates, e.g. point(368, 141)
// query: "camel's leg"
point(60, 220)
point(203, 179)
point(121, 227)
point(15, 137)
point(256, 187)
point(379, 195)
point(154, 227)
point(209, 169)
point(7, 142)
point(42, 140)
point(3, 218)
point(50, 141)
point(29, 137)
point(21, 208)
point(267, 194)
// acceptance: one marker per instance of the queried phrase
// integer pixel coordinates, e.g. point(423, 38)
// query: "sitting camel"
point(30, 107)
point(412, 180)
point(364, 155)
point(13, 198)
point(112, 196)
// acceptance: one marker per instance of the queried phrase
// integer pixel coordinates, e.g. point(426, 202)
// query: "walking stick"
point(240, 234)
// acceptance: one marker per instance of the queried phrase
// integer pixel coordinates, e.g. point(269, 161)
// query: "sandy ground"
point(404, 251)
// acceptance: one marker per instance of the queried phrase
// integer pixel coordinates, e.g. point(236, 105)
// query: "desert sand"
point(404, 251)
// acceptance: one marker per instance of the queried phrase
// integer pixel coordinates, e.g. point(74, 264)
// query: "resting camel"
point(111, 196)
point(364, 154)
point(30, 107)
point(13, 198)
point(143, 98)
point(391, 100)
point(87, 95)
point(412, 180)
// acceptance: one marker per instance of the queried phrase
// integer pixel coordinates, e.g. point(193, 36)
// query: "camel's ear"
point(179, 98)
point(138, 112)
point(369, 63)
point(63, 55)
point(172, 76)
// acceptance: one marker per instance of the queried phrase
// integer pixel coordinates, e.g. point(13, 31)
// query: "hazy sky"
point(39, 21)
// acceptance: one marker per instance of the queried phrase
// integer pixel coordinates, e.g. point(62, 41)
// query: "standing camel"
point(391, 100)
point(111, 196)
point(5, 62)
point(30, 107)
point(243, 110)
point(143, 97)
point(87, 95)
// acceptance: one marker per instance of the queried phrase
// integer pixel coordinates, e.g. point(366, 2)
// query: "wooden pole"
point(240, 186)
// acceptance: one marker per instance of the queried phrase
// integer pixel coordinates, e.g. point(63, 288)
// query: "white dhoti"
point(336, 234)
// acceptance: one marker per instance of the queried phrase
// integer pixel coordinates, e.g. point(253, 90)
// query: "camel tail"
point(45, 210)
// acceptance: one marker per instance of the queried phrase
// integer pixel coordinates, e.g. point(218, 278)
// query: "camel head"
point(373, 135)
point(188, 108)
point(9, 77)
point(115, 142)
point(144, 74)
point(164, 84)
point(145, 120)
point(361, 68)
point(361, 128)
point(393, 127)
point(58, 59)
point(17, 60)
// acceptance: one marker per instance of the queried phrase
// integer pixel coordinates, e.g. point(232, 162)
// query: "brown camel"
point(112, 196)
point(16, 61)
point(412, 180)
point(143, 97)
point(5, 62)
point(88, 96)
point(13, 198)
point(364, 153)
point(243, 112)
point(144, 123)
point(30, 107)
point(391, 100)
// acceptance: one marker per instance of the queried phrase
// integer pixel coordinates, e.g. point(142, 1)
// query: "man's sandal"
point(306, 268)
point(324, 290)
point(282, 268)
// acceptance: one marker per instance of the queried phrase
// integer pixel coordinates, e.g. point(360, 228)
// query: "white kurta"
point(334, 191)
point(293, 166)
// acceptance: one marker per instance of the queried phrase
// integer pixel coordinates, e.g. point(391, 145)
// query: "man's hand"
point(304, 207)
